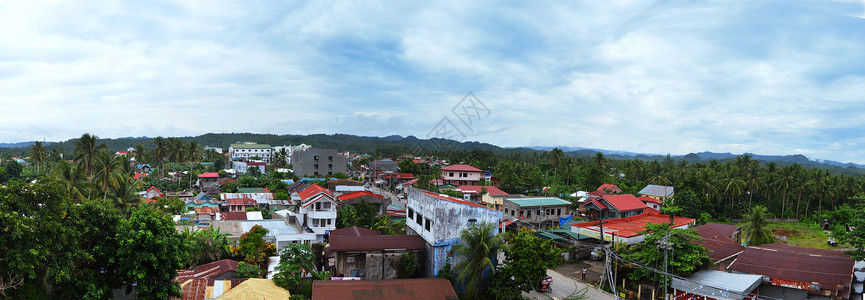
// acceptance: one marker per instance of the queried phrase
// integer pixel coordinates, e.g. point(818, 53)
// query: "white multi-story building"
point(318, 207)
point(249, 150)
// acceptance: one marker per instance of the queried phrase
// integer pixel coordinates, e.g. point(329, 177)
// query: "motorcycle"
point(546, 285)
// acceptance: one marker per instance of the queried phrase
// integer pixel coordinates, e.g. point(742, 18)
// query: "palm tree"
point(176, 150)
point(86, 150)
point(140, 153)
point(72, 178)
point(38, 154)
point(755, 229)
point(160, 152)
point(784, 183)
point(124, 165)
point(733, 184)
point(194, 151)
point(104, 165)
point(206, 246)
point(124, 190)
point(479, 242)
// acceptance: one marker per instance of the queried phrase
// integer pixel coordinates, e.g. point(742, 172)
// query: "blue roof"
point(657, 190)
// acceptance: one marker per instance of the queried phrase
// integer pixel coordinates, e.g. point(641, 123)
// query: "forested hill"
point(398, 144)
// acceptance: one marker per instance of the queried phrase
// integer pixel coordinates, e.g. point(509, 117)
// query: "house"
point(792, 272)
point(627, 230)
point(331, 185)
point(719, 285)
point(151, 193)
point(208, 180)
point(240, 216)
point(439, 219)
point(242, 167)
point(651, 202)
point(478, 193)
point(378, 201)
point(462, 175)
point(536, 212)
point(198, 283)
point(139, 175)
point(318, 206)
point(280, 232)
point(247, 151)
point(728, 230)
point(262, 197)
point(143, 168)
point(366, 253)
point(396, 289)
point(240, 204)
point(201, 200)
point(659, 192)
point(318, 162)
point(381, 166)
point(613, 207)
point(610, 188)
point(721, 249)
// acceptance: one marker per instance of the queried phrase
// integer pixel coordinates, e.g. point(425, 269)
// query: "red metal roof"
point(649, 199)
point(829, 268)
point(631, 226)
point(353, 195)
point(353, 231)
point(311, 191)
point(478, 188)
point(597, 193)
point(234, 216)
point(376, 243)
point(209, 175)
point(719, 246)
point(206, 210)
point(609, 187)
point(241, 201)
point(139, 175)
point(624, 202)
point(154, 188)
point(726, 229)
point(461, 168)
point(396, 289)
point(598, 204)
point(455, 200)
point(208, 271)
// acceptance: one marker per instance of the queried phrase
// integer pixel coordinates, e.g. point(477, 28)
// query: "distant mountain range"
point(367, 144)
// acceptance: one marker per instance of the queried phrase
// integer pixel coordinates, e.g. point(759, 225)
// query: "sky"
point(764, 77)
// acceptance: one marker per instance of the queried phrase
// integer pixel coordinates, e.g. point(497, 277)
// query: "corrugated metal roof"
point(376, 243)
point(657, 190)
point(718, 245)
point(725, 229)
point(828, 267)
point(353, 231)
point(461, 168)
point(718, 284)
point(417, 288)
point(250, 146)
point(624, 202)
point(535, 202)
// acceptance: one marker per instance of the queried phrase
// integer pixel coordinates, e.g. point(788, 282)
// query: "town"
point(250, 220)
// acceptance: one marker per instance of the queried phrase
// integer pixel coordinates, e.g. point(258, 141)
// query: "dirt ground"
point(594, 269)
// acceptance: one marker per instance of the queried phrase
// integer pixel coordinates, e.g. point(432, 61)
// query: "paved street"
point(564, 286)
point(386, 194)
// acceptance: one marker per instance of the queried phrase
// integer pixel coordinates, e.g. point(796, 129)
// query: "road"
point(564, 287)
point(386, 194)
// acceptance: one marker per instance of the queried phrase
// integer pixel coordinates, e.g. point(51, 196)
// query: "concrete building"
point(248, 151)
point(613, 207)
point(318, 206)
point(627, 230)
point(439, 219)
point(208, 180)
point(536, 212)
point(318, 162)
point(462, 175)
point(659, 192)
point(366, 253)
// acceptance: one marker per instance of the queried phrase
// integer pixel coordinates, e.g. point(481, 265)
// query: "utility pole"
point(665, 243)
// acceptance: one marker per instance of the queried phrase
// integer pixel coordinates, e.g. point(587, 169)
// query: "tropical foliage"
point(479, 244)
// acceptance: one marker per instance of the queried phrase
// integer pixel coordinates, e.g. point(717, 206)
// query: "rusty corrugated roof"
point(417, 288)
point(353, 231)
point(376, 243)
point(718, 245)
point(829, 268)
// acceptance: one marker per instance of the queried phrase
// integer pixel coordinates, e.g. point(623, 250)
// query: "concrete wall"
point(329, 162)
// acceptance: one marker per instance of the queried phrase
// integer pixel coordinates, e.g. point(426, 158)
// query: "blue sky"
point(767, 77)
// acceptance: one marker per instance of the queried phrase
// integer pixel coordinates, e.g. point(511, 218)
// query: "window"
point(451, 174)
point(419, 219)
point(559, 212)
point(329, 221)
point(428, 225)
point(330, 158)
point(410, 213)
point(611, 214)
point(315, 158)
point(325, 205)
point(329, 172)
point(315, 166)
point(465, 174)
point(315, 173)
point(528, 214)
point(513, 214)
point(317, 205)
point(472, 221)
point(330, 166)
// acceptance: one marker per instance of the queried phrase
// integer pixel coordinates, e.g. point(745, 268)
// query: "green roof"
point(566, 230)
point(250, 146)
point(533, 202)
point(251, 190)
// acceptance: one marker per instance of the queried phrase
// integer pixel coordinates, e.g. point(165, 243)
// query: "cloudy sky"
point(776, 77)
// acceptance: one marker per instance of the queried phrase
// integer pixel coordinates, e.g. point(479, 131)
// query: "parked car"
point(831, 241)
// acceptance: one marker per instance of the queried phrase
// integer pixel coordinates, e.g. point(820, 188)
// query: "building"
point(354, 198)
point(367, 254)
point(477, 193)
point(396, 289)
point(198, 283)
point(318, 206)
point(706, 285)
point(333, 184)
point(610, 188)
point(659, 192)
point(281, 232)
point(381, 166)
point(627, 230)
point(731, 231)
point(651, 202)
point(613, 207)
point(242, 167)
point(439, 219)
point(208, 180)
point(792, 272)
point(536, 212)
point(462, 175)
point(318, 162)
point(721, 249)
point(248, 151)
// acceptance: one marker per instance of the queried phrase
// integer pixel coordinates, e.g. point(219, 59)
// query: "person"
point(584, 274)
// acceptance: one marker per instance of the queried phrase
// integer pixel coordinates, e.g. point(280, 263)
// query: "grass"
point(803, 234)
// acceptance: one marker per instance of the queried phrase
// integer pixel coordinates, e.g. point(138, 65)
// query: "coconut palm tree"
point(124, 190)
point(755, 229)
point(733, 184)
point(784, 183)
point(104, 165)
point(86, 150)
point(140, 154)
point(72, 178)
point(193, 151)
point(38, 154)
point(478, 243)
point(176, 150)
point(159, 152)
